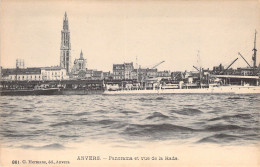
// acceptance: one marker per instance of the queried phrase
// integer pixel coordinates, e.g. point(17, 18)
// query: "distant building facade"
point(34, 74)
point(97, 75)
point(164, 73)
point(79, 64)
point(123, 71)
point(141, 74)
point(54, 73)
point(65, 48)
point(20, 63)
point(107, 75)
point(17, 74)
point(89, 74)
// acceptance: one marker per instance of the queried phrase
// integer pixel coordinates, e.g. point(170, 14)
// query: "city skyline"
point(116, 32)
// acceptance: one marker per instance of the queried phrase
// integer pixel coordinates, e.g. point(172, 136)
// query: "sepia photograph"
point(129, 83)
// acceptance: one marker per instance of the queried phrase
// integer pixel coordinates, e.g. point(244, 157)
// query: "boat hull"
point(53, 91)
point(213, 90)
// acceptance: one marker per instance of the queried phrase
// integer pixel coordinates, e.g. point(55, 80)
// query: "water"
point(58, 121)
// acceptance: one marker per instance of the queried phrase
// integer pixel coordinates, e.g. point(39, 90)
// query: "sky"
point(143, 32)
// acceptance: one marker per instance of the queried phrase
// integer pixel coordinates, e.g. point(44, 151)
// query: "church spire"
point(65, 22)
point(65, 48)
point(81, 55)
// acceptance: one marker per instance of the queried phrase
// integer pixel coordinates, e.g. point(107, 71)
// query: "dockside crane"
point(254, 67)
point(229, 66)
point(196, 68)
point(244, 59)
point(157, 64)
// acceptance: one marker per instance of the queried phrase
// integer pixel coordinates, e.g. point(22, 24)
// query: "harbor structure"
point(65, 47)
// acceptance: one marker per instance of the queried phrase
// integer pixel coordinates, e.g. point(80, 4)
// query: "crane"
point(230, 65)
point(157, 64)
point(196, 68)
point(244, 59)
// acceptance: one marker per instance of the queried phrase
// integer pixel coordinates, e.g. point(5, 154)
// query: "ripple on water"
point(199, 118)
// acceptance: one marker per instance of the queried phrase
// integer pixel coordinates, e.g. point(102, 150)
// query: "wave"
point(31, 121)
point(151, 129)
point(160, 98)
point(228, 117)
point(54, 146)
point(82, 121)
point(129, 112)
point(235, 98)
point(157, 115)
point(215, 128)
point(62, 123)
point(82, 113)
point(106, 122)
point(149, 99)
point(19, 135)
point(219, 138)
point(12, 106)
point(68, 136)
point(187, 111)
point(101, 111)
point(6, 114)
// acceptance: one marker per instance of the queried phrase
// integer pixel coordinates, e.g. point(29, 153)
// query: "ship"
point(37, 90)
point(228, 89)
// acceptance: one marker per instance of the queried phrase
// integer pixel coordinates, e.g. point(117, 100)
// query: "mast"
point(136, 70)
point(200, 71)
point(254, 55)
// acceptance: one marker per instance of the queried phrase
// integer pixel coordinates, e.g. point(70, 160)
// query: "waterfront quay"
point(66, 87)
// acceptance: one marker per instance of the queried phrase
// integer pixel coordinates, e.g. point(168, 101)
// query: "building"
point(89, 74)
point(79, 67)
point(141, 74)
point(123, 71)
point(54, 73)
point(129, 67)
point(80, 64)
point(20, 63)
point(164, 73)
point(97, 75)
point(118, 71)
point(65, 48)
point(107, 75)
point(151, 72)
point(18, 74)
point(34, 74)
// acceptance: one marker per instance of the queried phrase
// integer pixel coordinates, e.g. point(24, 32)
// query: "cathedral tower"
point(65, 47)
